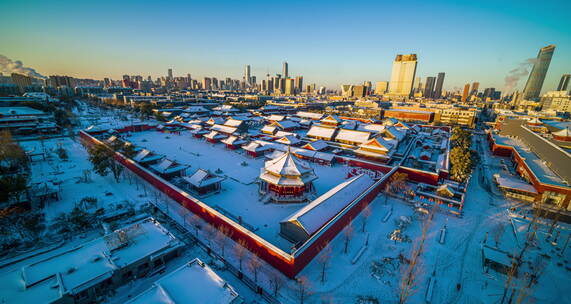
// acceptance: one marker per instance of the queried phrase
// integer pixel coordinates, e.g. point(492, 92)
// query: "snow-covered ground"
point(68, 175)
point(456, 264)
point(239, 195)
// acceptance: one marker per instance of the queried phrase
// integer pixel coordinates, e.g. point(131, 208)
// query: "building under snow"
point(82, 274)
point(301, 225)
point(287, 179)
point(193, 282)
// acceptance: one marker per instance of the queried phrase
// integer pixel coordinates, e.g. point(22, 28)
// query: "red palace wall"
point(523, 169)
point(420, 176)
point(427, 117)
point(336, 225)
point(282, 261)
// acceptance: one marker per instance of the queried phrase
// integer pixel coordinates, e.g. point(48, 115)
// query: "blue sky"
point(328, 42)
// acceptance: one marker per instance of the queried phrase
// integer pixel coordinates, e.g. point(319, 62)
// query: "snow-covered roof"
point(233, 140)
point(167, 166)
point(215, 121)
point(226, 108)
point(514, 183)
point(255, 147)
point(233, 122)
point(377, 128)
point(331, 119)
point(321, 132)
point(317, 213)
point(194, 282)
point(395, 133)
point(288, 140)
point(286, 124)
point(377, 144)
point(287, 165)
point(317, 145)
point(309, 115)
point(224, 129)
point(352, 136)
point(146, 156)
point(563, 132)
point(202, 178)
point(214, 135)
point(269, 129)
point(275, 117)
point(196, 109)
point(78, 268)
point(535, 121)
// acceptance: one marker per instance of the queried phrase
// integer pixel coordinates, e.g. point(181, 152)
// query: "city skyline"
point(117, 46)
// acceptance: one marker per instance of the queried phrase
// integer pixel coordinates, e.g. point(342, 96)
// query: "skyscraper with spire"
point(537, 76)
point(285, 72)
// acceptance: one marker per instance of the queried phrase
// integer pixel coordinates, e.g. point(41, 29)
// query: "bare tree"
point(302, 288)
point(367, 212)
point(324, 258)
point(511, 274)
point(347, 236)
point(255, 264)
point(194, 221)
point(555, 220)
point(222, 236)
point(240, 251)
point(210, 234)
point(276, 281)
point(413, 268)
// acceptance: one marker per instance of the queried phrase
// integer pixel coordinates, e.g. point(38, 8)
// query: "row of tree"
point(461, 159)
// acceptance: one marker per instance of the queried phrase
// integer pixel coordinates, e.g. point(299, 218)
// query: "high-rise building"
point(564, 82)
point(489, 93)
point(402, 76)
point(381, 87)
point(170, 74)
point(299, 83)
point(61, 81)
point(22, 81)
point(429, 87)
point(439, 85)
point(247, 74)
point(537, 76)
point(206, 83)
point(289, 86)
point(466, 92)
point(285, 71)
point(475, 87)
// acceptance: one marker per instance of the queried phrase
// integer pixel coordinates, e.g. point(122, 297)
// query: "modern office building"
point(439, 85)
point(559, 101)
point(402, 76)
point(429, 87)
point(475, 87)
point(22, 81)
point(537, 76)
point(381, 87)
point(247, 74)
point(466, 92)
point(299, 83)
point(170, 74)
point(285, 71)
point(564, 83)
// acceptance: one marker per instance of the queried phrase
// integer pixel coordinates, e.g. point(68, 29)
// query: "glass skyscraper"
point(537, 76)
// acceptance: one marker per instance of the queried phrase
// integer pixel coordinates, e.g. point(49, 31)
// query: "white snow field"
point(239, 196)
